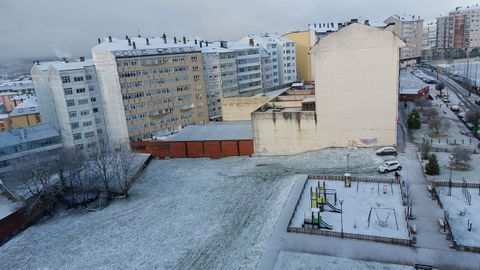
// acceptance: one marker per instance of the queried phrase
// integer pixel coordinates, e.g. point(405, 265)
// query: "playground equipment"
point(382, 214)
point(319, 196)
point(314, 220)
point(347, 182)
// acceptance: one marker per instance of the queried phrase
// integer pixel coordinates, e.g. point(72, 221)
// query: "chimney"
point(223, 44)
point(126, 36)
point(129, 42)
point(184, 40)
point(134, 46)
point(367, 22)
point(109, 38)
point(201, 44)
point(164, 38)
point(99, 41)
point(175, 40)
point(340, 26)
point(314, 25)
point(196, 41)
point(250, 42)
point(82, 59)
point(206, 43)
point(64, 59)
point(139, 35)
point(354, 20)
point(148, 41)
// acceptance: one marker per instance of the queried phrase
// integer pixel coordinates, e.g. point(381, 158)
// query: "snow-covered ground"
point(292, 260)
point(472, 175)
point(358, 201)
point(454, 204)
point(182, 214)
point(6, 206)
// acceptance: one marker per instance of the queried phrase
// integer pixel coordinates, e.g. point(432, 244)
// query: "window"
point(195, 68)
point(75, 125)
point(78, 79)
point(83, 101)
point(91, 88)
point(99, 131)
point(80, 90)
point(68, 91)
point(79, 146)
point(70, 103)
point(196, 77)
point(65, 79)
point(87, 124)
point(95, 110)
point(89, 134)
point(72, 114)
point(194, 58)
point(84, 113)
point(77, 136)
point(93, 99)
point(88, 77)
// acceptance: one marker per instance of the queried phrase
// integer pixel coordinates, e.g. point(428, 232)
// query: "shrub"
point(413, 120)
point(432, 167)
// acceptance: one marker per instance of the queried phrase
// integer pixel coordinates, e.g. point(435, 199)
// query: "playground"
point(365, 208)
point(462, 208)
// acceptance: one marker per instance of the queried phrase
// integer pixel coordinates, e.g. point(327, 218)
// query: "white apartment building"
point(429, 35)
point(282, 54)
point(409, 29)
point(69, 100)
point(460, 28)
point(249, 67)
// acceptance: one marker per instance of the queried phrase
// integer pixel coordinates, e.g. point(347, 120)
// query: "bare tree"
point(124, 167)
point(437, 123)
point(37, 176)
point(71, 170)
point(461, 155)
point(431, 112)
point(473, 116)
point(101, 162)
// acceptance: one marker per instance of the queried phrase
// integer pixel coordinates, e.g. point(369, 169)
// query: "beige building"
point(409, 29)
point(355, 102)
point(150, 87)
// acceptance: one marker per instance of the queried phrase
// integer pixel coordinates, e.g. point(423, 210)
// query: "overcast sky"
point(42, 28)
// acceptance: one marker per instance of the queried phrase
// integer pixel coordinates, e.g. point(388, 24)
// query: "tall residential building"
point(409, 29)
point(249, 67)
point(220, 75)
point(460, 28)
point(151, 87)
point(429, 35)
point(69, 100)
point(282, 53)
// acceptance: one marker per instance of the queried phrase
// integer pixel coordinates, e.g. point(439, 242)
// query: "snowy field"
point(291, 260)
point(358, 201)
point(182, 214)
point(456, 203)
point(472, 175)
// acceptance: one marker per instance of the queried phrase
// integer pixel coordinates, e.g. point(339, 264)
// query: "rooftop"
point(14, 136)
point(215, 131)
point(266, 38)
point(407, 18)
point(29, 106)
point(62, 65)
point(409, 84)
point(325, 27)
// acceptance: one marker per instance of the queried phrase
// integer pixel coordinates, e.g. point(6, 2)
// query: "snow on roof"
point(15, 86)
point(29, 106)
point(333, 26)
point(407, 18)
point(273, 93)
point(61, 65)
point(473, 7)
point(6, 206)
point(265, 38)
point(3, 116)
point(214, 131)
point(409, 84)
point(14, 136)
point(308, 99)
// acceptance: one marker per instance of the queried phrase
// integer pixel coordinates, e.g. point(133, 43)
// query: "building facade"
point(150, 87)
point(69, 100)
point(409, 29)
point(304, 41)
point(429, 35)
point(459, 29)
point(282, 56)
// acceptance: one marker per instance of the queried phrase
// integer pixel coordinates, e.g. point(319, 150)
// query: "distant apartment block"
point(69, 100)
point(409, 29)
point(459, 29)
point(429, 35)
point(282, 55)
point(151, 87)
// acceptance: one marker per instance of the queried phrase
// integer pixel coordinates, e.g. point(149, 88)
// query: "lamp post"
point(348, 163)
point(450, 179)
point(341, 215)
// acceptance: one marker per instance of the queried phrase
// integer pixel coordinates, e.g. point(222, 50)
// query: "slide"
point(334, 209)
point(325, 225)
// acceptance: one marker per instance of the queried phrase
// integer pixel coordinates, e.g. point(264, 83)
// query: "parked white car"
point(390, 165)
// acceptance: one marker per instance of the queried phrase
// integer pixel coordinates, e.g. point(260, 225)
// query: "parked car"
point(390, 165)
point(431, 81)
point(455, 108)
point(386, 151)
point(445, 99)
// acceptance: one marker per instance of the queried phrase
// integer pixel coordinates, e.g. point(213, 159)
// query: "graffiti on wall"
point(363, 142)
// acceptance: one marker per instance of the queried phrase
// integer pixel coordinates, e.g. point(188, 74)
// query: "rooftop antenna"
point(134, 46)
point(164, 38)
point(99, 40)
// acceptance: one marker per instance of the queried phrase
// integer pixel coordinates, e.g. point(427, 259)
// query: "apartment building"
point(249, 67)
point(460, 28)
point(282, 54)
point(409, 29)
point(151, 87)
point(69, 100)
point(429, 35)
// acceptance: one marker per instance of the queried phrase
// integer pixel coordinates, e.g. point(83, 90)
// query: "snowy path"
point(432, 248)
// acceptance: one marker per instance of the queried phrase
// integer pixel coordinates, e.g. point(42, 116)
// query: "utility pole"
point(468, 72)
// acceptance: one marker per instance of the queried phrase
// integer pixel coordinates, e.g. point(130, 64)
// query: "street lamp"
point(450, 179)
point(348, 162)
point(341, 214)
